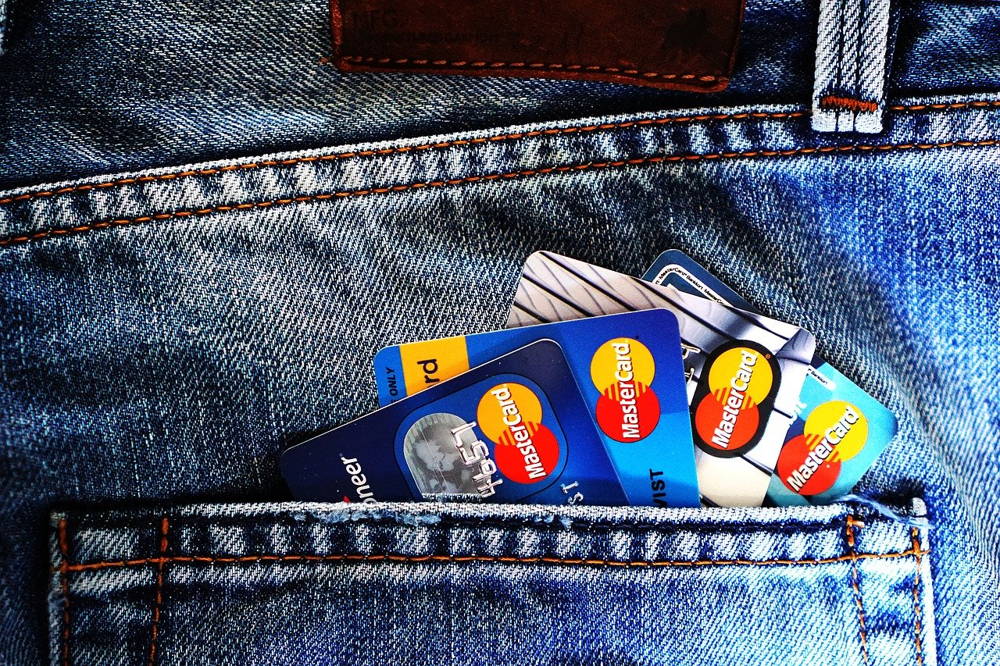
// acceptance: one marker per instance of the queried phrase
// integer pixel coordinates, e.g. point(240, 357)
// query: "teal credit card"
point(839, 429)
point(628, 368)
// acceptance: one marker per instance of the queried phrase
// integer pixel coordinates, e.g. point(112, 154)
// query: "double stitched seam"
point(917, 610)
point(948, 106)
point(64, 568)
point(13, 240)
point(849, 527)
point(517, 136)
point(158, 599)
point(417, 559)
point(953, 106)
point(537, 66)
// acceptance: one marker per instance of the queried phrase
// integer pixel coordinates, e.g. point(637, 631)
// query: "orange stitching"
point(848, 103)
point(853, 522)
point(916, 598)
point(404, 149)
point(196, 559)
point(13, 240)
point(849, 528)
point(155, 631)
point(64, 588)
point(463, 142)
point(484, 64)
point(978, 104)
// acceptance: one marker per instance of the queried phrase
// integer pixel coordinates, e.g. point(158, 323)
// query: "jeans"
point(166, 330)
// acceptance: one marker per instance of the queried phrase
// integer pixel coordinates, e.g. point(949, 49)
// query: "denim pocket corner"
point(589, 584)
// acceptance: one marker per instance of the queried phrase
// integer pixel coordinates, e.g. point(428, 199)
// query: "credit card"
point(675, 268)
point(628, 368)
point(515, 429)
point(744, 370)
point(840, 429)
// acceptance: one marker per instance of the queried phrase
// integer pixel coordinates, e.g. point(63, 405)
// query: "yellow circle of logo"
point(744, 370)
point(839, 423)
point(622, 360)
point(507, 405)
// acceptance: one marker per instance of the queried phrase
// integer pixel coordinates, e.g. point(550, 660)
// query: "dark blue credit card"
point(629, 370)
point(515, 429)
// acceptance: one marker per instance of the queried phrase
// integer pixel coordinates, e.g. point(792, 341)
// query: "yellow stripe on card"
point(430, 362)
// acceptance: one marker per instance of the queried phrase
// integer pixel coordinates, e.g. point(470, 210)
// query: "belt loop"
point(852, 62)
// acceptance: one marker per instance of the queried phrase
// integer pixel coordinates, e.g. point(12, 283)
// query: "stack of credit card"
point(605, 389)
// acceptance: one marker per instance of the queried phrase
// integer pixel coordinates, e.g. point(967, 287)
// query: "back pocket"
point(471, 584)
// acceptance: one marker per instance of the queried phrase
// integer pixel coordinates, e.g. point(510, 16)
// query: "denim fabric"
point(852, 58)
point(101, 86)
point(422, 584)
point(3, 24)
point(185, 329)
point(164, 333)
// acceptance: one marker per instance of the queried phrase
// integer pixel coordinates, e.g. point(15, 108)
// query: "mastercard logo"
point(628, 409)
point(833, 432)
point(510, 415)
point(734, 398)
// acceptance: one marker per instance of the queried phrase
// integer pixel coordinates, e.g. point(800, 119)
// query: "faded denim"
point(166, 330)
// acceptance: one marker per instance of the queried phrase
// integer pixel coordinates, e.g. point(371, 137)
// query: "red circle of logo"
point(792, 459)
point(709, 420)
point(628, 417)
point(529, 455)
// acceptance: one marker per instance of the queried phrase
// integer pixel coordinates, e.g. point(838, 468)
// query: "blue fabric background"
point(165, 332)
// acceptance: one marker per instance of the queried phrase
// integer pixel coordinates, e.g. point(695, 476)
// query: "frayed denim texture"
point(423, 583)
point(166, 331)
point(235, 308)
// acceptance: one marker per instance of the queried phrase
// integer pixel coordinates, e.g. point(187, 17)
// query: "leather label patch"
point(675, 44)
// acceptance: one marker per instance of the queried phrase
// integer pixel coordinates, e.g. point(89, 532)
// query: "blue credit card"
point(744, 370)
point(628, 368)
point(514, 429)
point(839, 429)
